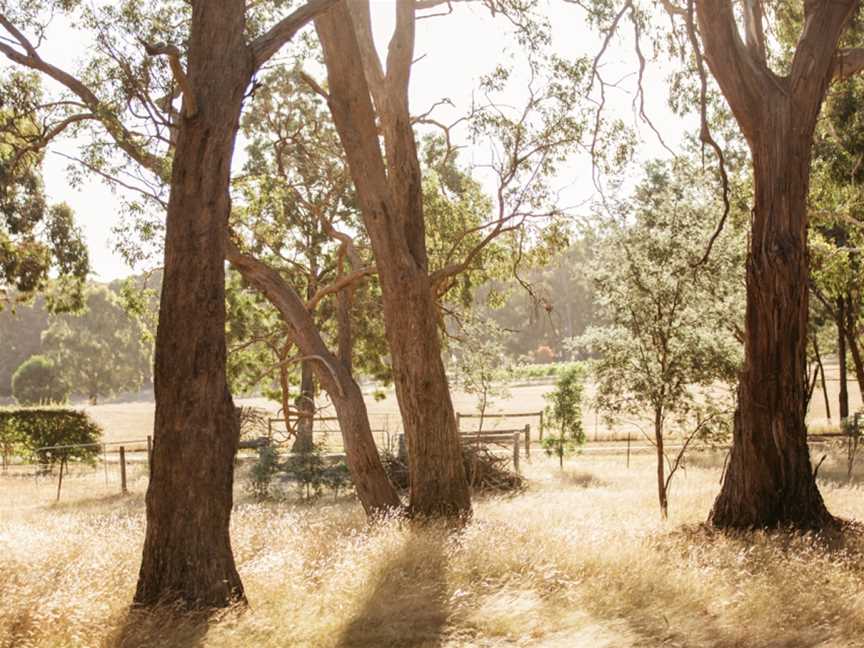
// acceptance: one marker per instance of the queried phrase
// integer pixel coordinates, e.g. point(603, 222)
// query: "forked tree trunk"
point(187, 550)
point(769, 481)
point(390, 196)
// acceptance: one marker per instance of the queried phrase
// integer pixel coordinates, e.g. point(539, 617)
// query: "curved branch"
point(290, 306)
point(344, 281)
point(266, 45)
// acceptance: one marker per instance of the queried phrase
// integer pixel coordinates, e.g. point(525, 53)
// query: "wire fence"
point(114, 467)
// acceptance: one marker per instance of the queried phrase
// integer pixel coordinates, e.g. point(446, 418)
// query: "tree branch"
point(173, 54)
point(344, 281)
point(266, 45)
point(30, 58)
point(291, 307)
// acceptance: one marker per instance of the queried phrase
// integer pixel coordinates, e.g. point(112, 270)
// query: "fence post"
point(123, 488)
point(458, 422)
point(541, 425)
point(528, 440)
point(516, 451)
point(628, 449)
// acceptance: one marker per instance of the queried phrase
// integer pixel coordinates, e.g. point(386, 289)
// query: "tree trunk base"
point(769, 484)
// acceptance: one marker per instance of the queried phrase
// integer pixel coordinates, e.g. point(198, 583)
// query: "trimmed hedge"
point(35, 431)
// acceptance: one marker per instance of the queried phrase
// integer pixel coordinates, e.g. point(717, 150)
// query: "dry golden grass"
point(580, 559)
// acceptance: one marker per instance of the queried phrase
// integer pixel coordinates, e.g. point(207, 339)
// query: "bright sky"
point(453, 52)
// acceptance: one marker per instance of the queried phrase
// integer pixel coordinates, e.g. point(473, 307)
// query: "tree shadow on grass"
point(163, 627)
point(407, 603)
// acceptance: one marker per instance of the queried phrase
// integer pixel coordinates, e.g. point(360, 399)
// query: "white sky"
point(454, 51)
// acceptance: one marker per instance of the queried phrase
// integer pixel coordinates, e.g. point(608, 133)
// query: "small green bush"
point(263, 471)
point(38, 380)
point(312, 472)
point(564, 414)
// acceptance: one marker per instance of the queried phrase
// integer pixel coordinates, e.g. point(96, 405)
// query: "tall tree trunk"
point(438, 483)
point(769, 481)
point(390, 196)
point(374, 489)
point(187, 550)
point(841, 358)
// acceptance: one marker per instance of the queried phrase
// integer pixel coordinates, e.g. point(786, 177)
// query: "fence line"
point(500, 415)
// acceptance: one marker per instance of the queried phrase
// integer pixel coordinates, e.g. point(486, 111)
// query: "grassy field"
point(134, 421)
point(579, 559)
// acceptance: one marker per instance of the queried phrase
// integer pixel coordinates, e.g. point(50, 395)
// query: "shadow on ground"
point(407, 603)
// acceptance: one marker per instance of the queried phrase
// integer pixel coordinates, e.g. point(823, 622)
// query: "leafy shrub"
point(40, 430)
point(10, 440)
point(312, 472)
point(263, 472)
point(38, 380)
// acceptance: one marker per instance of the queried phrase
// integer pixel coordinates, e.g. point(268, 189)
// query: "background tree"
point(564, 413)
point(668, 338)
point(21, 332)
point(39, 380)
point(101, 350)
point(837, 223)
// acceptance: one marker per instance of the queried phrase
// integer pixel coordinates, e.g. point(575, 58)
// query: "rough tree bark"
point(390, 197)
point(187, 554)
point(187, 550)
point(769, 481)
point(374, 489)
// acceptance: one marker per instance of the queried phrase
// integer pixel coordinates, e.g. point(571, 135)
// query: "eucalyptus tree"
point(177, 125)
point(775, 94)
point(368, 98)
point(291, 243)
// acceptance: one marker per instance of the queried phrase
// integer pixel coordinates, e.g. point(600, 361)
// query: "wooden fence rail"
point(500, 415)
point(501, 437)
